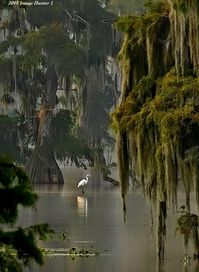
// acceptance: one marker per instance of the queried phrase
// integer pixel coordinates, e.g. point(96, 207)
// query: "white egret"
point(83, 182)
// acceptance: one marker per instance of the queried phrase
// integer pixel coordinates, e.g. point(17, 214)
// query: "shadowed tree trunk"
point(42, 166)
point(161, 235)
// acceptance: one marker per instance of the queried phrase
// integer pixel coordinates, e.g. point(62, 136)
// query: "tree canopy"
point(72, 41)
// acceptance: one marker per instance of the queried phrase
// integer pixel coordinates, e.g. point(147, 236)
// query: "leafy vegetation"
point(67, 145)
point(18, 246)
point(52, 49)
point(157, 120)
point(73, 252)
point(187, 225)
point(166, 104)
point(122, 7)
point(8, 128)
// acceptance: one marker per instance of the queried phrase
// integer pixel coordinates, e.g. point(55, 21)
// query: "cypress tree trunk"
point(42, 166)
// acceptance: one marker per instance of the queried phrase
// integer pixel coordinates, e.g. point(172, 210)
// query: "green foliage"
point(95, 18)
point(62, 123)
point(71, 60)
point(137, 25)
point(67, 57)
point(102, 100)
point(4, 4)
point(159, 109)
point(33, 42)
point(53, 37)
point(183, 5)
point(8, 260)
point(65, 144)
point(14, 41)
point(14, 21)
point(153, 6)
point(71, 38)
point(33, 45)
point(174, 102)
point(133, 108)
point(185, 17)
point(5, 71)
point(143, 51)
point(157, 121)
point(186, 222)
point(41, 16)
point(188, 225)
point(192, 156)
point(122, 7)
point(125, 24)
point(8, 136)
point(180, 5)
point(17, 246)
point(73, 149)
point(4, 47)
point(94, 58)
point(162, 115)
point(14, 185)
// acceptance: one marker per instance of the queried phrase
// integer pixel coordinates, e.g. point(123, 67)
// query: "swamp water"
point(94, 221)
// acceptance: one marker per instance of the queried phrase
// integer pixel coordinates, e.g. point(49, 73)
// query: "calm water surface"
point(95, 220)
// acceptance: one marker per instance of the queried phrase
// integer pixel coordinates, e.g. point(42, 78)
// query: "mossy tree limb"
point(158, 113)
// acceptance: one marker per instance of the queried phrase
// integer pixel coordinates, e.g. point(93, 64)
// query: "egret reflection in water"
point(82, 205)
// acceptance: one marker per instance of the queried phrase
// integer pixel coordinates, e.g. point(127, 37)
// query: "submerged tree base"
point(43, 168)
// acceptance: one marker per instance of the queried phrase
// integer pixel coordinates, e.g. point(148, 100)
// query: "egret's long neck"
point(87, 177)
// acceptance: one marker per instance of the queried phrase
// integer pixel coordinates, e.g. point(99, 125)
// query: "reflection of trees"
point(157, 121)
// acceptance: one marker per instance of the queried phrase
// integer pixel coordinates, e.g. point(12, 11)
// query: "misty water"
point(94, 221)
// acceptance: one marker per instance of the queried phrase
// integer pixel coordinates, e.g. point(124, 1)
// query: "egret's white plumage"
point(83, 181)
